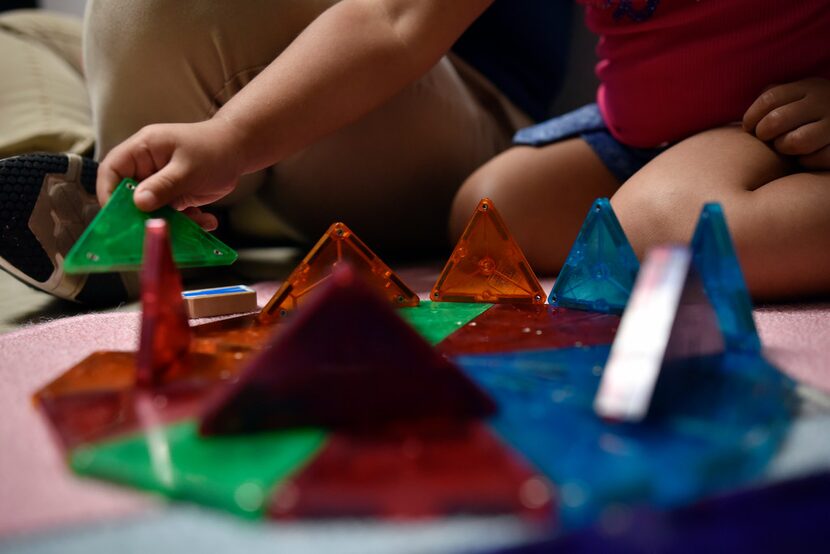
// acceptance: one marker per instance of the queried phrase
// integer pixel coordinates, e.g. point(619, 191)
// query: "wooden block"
point(220, 301)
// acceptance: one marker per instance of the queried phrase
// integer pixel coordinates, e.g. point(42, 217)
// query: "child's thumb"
point(160, 189)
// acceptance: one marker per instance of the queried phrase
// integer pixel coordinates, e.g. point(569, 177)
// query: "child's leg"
point(780, 222)
point(543, 195)
point(156, 61)
point(393, 174)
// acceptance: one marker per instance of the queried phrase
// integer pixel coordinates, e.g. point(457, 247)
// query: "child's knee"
point(652, 214)
point(542, 194)
point(490, 180)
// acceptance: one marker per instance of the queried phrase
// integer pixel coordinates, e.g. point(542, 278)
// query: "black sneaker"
point(46, 202)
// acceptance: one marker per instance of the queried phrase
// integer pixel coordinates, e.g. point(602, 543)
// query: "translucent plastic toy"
point(668, 318)
point(778, 516)
point(711, 427)
point(236, 474)
point(338, 245)
point(98, 398)
point(346, 359)
point(601, 267)
point(415, 470)
point(487, 265)
point(512, 327)
point(435, 321)
point(165, 331)
point(237, 337)
point(714, 257)
point(114, 239)
point(107, 393)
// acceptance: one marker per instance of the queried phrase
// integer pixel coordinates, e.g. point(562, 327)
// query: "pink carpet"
point(38, 492)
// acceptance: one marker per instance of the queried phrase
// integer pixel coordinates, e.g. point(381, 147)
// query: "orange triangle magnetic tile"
point(165, 332)
point(339, 244)
point(236, 337)
point(487, 265)
point(103, 371)
point(97, 399)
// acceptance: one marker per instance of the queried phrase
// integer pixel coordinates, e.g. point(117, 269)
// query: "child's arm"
point(796, 118)
point(351, 59)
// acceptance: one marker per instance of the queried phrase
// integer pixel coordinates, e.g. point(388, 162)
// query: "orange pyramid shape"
point(487, 265)
point(338, 245)
point(165, 332)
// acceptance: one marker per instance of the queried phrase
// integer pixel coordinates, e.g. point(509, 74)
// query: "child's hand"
point(796, 118)
point(184, 165)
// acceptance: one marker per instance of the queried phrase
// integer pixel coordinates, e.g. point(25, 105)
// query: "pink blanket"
point(37, 491)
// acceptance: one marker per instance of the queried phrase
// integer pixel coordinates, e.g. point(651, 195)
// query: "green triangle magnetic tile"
point(601, 267)
point(233, 473)
point(714, 257)
point(435, 321)
point(114, 239)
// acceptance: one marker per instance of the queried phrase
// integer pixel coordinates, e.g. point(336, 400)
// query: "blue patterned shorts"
point(587, 123)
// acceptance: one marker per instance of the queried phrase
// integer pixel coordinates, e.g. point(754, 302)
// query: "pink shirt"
point(698, 64)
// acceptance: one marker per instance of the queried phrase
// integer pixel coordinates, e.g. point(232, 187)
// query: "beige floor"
point(21, 305)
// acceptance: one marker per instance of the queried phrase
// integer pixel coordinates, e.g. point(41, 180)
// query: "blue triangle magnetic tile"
point(601, 267)
point(713, 254)
point(715, 426)
point(669, 317)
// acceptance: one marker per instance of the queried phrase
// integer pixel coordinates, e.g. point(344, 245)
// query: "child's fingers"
point(819, 160)
point(138, 157)
point(206, 221)
point(787, 118)
point(104, 186)
point(161, 188)
point(805, 139)
point(770, 99)
point(117, 165)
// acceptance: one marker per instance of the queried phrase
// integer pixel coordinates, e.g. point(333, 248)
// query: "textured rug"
point(37, 492)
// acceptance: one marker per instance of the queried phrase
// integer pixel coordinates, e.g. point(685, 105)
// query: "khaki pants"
point(391, 176)
point(43, 99)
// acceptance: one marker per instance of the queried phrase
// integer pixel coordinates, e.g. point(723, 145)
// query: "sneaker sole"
point(46, 202)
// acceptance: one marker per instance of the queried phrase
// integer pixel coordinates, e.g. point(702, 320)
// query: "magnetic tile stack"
point(347, 396)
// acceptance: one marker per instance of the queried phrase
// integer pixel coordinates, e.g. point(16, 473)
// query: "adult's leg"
point(779, 220)
point(390, 176)
point(46, 200)
point(542, 193)
point(43, 100)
